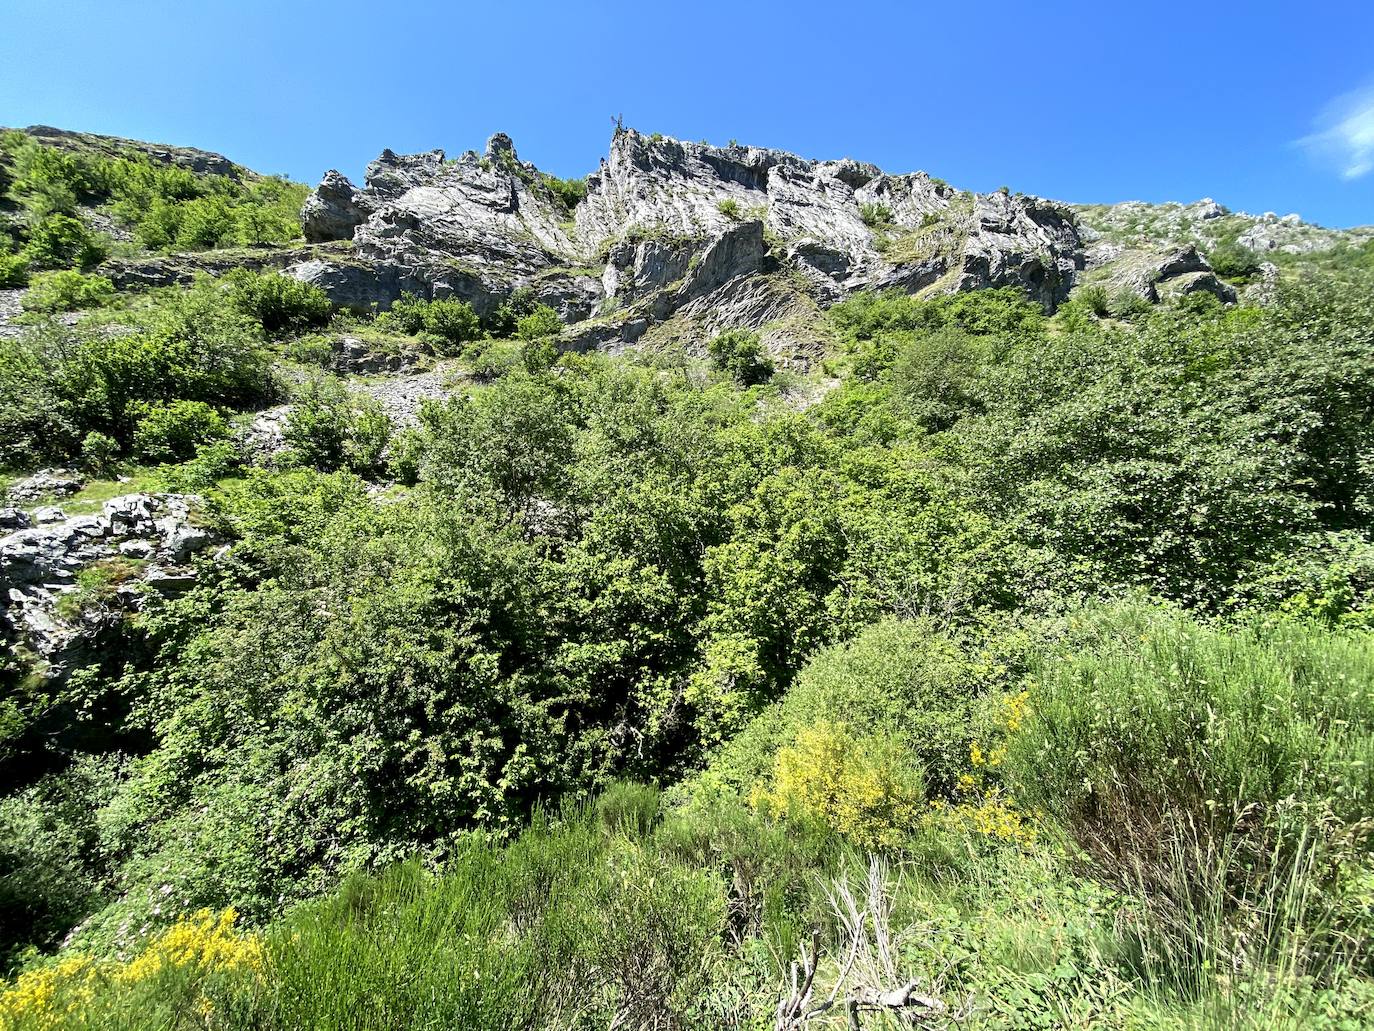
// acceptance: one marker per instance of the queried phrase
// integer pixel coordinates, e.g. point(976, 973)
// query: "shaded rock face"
point(664, 225)
point(40, 563)
point(334, 210)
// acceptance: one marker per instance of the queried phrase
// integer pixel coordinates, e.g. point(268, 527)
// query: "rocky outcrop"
point(140, 542)
point(334, 210)
point(669, 228)
point(1153, 274)
point(476, 228)
point(46, 483)
point(353, 357)
point(1139, 226)
point(182, 269)
point(845, 224)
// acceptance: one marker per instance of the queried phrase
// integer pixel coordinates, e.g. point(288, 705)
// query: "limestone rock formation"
point(46, 483)
point(475, 228)
point(666, 224)
point(40, 559)
point(333, 210)
point(1155, 273)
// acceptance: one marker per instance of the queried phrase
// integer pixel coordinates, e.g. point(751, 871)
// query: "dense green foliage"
point(58, 383)
point(1065, 618)
point(447, 322)
point(281, 304)
point(67, 291)
point(739, 355)
point(165, 206)
point(568, 191)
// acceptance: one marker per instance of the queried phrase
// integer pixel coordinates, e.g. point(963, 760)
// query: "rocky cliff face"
point(724, 236)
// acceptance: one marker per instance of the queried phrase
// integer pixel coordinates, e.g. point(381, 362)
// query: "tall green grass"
point(1222, 777)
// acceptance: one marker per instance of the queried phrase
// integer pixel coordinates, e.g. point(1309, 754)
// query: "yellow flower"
point(992, 816)
point(53, 996)
point(205, 940)
point(1016, 711)
point(867, 789)
point(42, 997)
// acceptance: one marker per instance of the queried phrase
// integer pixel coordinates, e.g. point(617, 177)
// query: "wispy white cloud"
point(1343, 135)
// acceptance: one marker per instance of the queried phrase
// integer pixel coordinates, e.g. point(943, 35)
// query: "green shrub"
point(453, 320)
point(1153, 714)
point(1095, 299)
point(939, 376)
point(981, 312)
point(1195, 763)
point(539, 355)
point(898, 681)
point(165, 205)
point(1191, 758)
point(283, 305)
point(504, 321)
point(60, 241)
point(1127, 304)
point(1230, 260)
point(875, 215)
point(629, 808)
point(58, 383)
point(205, 223)
point(543, 321)
point(729, 207)
point(448, 321)
point(739, 354)
point(99, 453)
point(212, 463)
point(313, 349)
point(569, 192)
point(173, 432)
point(491, 359)
point(67, 290)
point(50, 866)
point(330, 427)
point(14, 271)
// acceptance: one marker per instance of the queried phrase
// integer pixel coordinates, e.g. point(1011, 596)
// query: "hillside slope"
point(733, 591)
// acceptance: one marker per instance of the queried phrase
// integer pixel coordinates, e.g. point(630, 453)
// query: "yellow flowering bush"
point(81, 987)
point(868, 789)
point(205, 940)
point(983, 808)
point(42, 998)
point(989, 813)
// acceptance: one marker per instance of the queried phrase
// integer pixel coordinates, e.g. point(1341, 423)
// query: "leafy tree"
point(60, 241)
point(739, 354)
point(281, 304)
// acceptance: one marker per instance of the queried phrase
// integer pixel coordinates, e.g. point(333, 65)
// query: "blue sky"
point(1262, 105)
